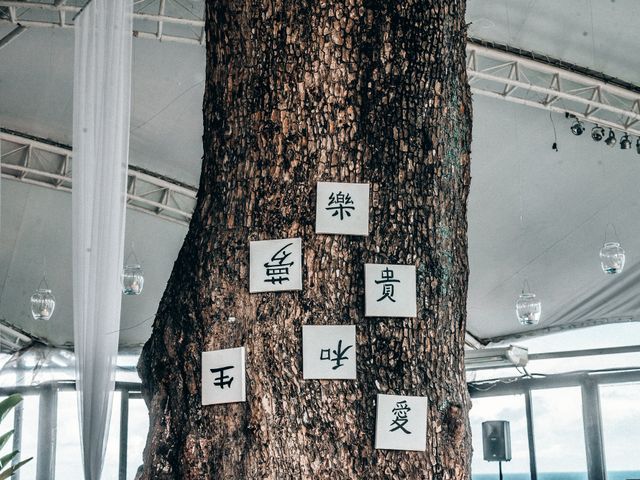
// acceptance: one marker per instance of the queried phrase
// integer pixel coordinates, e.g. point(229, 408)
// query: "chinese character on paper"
point(223, 376)
point(341, 204)
point(400, 416)
point(277, 269)
point(329, 352)
point(222, 380)
point(401, 422)
point(339, 355)
point(387, 282)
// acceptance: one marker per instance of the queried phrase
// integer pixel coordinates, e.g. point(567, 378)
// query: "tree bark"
point(298, 92)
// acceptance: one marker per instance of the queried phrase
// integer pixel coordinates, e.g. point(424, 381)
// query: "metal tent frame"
point(37, 161)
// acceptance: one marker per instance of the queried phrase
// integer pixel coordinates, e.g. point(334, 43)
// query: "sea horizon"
point(612, 475)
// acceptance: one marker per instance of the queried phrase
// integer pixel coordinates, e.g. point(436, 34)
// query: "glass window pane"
point(138, 426)
point(621, 429)
point(512, 409)
point(68, 456)
point(559, 432)
point(112, 455)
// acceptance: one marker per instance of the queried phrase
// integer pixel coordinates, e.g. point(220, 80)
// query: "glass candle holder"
point(528, 309)
point(132, 280)
point(612, 258)
point(42, 304)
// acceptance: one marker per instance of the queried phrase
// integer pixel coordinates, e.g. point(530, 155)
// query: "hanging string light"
point(132, 275)
point(42, 301)
point(528, 306)
point(612, 256)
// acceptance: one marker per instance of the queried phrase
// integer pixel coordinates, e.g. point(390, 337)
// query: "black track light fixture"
point(597, 133)
point(611, 139)
point(577, 128)
point(625, 143)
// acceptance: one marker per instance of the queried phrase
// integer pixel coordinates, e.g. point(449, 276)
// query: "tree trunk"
point(299, 92)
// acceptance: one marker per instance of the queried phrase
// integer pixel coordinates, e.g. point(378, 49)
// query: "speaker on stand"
point(496, 442)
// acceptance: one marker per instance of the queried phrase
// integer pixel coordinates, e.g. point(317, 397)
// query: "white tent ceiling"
point(565, 198)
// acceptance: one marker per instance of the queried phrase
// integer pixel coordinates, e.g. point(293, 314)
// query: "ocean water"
point(626, 475)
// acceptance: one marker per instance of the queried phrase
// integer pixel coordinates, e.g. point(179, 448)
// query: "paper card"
point(401, 422)
point(342, 208)
point(390, 290)
point(223, 376)
point(275, 265)
point(329, 351)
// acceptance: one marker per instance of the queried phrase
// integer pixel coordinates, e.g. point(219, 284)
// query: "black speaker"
point(496, 441)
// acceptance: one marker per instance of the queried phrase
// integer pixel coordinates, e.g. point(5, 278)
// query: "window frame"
point(589, 383)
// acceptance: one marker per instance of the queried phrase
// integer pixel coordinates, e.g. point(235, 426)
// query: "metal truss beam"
point(12, 338)
point(12, 35)
point(38, 162)
point(497, 73)
point(163, 20)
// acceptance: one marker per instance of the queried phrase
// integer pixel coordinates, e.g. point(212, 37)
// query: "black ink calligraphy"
point(340, 203)
point(387, 282)
point(222, 380)
point(400, 414)
point(339, 355)
point(277, 269)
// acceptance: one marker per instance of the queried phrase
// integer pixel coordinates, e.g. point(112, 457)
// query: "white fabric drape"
point(101, 109)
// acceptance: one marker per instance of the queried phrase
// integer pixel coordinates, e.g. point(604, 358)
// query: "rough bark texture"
point(298, 92)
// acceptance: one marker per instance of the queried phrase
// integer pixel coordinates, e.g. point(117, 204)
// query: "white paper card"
point(275, 265)
point(401, 422)
point(329, 351)
point(223, 376)
point(342, 208)
point(390, 290)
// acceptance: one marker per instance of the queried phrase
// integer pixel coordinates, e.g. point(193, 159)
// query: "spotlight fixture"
point(611, 139)
point(625, 143)
point(577, 128)
point(597, 133)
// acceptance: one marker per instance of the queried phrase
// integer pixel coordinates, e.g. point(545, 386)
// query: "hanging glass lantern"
point(42, 302)
point(612, 258)
point(528, 307)
point(132, 279)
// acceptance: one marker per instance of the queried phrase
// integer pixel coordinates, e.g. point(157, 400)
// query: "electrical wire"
point(133, 326)
point(200, 82)
point(490, 384)
point(555, 134)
